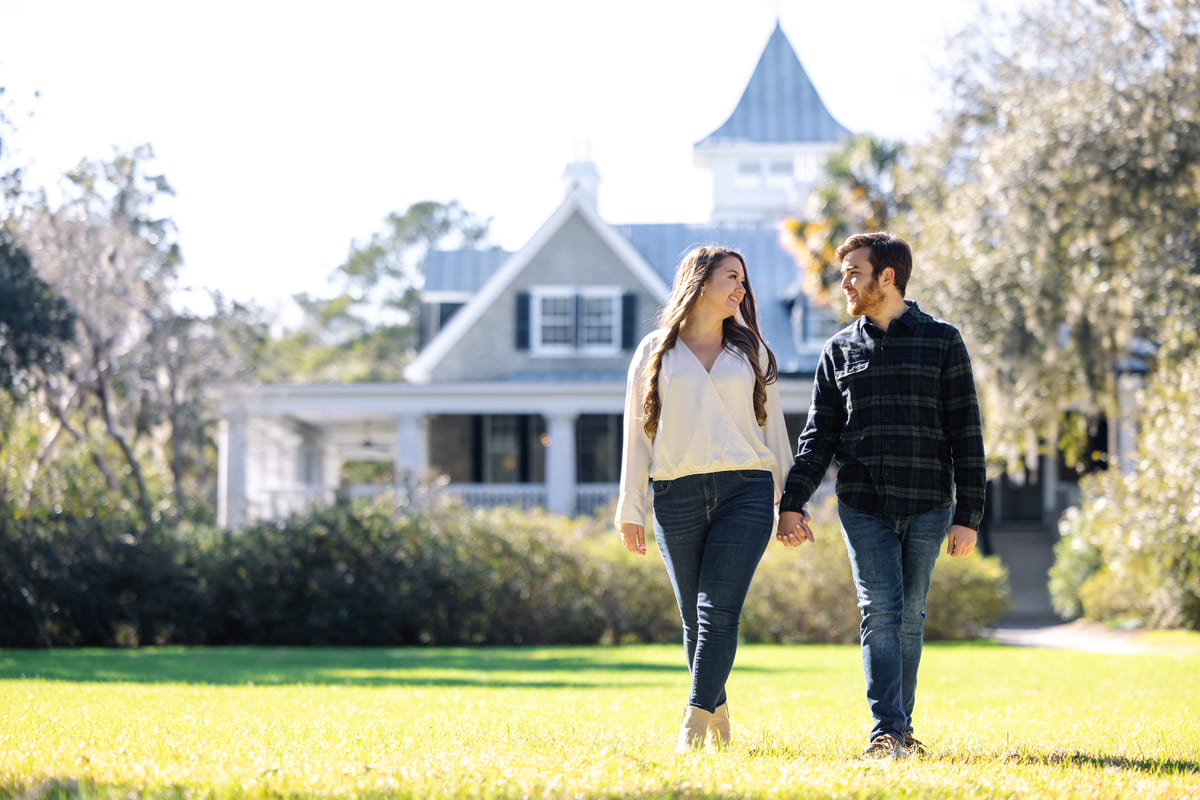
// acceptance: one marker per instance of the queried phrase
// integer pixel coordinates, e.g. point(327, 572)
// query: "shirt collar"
point(908, 319)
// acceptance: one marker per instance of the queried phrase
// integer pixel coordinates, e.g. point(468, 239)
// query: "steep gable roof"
point(780, 104)
point(772, 270)
point(421, 368)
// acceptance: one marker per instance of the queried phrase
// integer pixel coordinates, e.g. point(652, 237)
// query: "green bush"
point(967, 595)
point(632, 592)
point(449, 575)
point(807, 595)
point(93, 581)
point(1131, 552)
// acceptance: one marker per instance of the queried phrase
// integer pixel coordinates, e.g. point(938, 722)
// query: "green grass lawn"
point(587, 722)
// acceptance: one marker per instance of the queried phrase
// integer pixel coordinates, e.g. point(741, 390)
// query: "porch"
point(589, 498)
point(554, 444)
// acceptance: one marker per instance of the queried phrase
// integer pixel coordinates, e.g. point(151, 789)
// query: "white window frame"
point(537, 324)
point(613, 294)
point(781, 174)
point(749, 174)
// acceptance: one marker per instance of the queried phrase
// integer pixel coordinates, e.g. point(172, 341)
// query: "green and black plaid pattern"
point(898, 414)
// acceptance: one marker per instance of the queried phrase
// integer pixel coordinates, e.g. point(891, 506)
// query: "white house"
point(517, 392)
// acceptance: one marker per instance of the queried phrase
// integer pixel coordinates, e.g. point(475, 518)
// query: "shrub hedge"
point(1130, 554)
point(359, 575)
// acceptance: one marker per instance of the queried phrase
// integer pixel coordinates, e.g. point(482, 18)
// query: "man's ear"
point(887, 277)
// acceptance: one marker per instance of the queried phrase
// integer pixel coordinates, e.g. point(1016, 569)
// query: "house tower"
point(766, 158)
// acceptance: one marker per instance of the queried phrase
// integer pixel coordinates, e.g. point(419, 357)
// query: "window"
point(501, 449)
point(598, 321)
point(782, 175)
point(590, 320)
point(555, 328)
point(749, 175)
point(510, 448)
point(598, 448)
point(812, 323)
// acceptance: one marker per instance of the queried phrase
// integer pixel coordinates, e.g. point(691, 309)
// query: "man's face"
point(863, 292)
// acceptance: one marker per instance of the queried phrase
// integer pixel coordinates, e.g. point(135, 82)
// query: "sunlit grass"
point(587, 722)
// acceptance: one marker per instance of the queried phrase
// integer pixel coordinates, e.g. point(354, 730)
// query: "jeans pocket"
point(755, 475)
point(660, 487)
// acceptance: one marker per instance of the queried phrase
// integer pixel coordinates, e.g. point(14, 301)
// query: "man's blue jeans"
point(892, 558)
point(712, 530)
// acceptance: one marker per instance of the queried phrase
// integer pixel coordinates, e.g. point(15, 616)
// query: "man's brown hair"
point(886, 250)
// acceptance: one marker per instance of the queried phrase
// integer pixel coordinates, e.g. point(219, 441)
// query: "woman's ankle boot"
point(693, 729)
point(718, 728)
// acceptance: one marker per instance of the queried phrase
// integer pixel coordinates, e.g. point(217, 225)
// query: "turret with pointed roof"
point(766, 157)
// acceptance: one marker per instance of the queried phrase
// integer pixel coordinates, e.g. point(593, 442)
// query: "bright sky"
point(289, 129)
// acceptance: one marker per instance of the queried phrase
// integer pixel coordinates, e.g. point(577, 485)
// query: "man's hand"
point(633, 538)
point(793, 528)
point(960, 540)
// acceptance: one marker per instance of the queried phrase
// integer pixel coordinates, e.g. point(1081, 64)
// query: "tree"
point(35, 322)
point(1132, 551)
point(130, 393)
point(859, 193)
point(1060, 203)
point(369, 331)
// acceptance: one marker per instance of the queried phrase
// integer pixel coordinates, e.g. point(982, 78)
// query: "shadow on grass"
point(527, 668)
point(1150, 766)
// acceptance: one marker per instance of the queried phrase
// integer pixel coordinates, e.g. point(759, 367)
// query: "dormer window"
point(553, 321)
point(749, 174)
point(782, 175)
point(575, 320)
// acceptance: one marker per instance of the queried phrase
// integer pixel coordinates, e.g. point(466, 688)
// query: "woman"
point(704, 423)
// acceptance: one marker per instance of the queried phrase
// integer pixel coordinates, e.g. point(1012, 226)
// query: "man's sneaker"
point(914, 747)
point(882, 747)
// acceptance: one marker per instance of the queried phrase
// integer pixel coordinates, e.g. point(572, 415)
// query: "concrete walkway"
point(1088, 637)
point(1026, 550)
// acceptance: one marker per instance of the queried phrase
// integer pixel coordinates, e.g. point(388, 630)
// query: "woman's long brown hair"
point(690, 276)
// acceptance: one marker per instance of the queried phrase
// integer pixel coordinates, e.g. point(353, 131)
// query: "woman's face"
point(724, 287)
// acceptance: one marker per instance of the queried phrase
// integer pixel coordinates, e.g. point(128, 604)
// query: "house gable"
point(573, 254)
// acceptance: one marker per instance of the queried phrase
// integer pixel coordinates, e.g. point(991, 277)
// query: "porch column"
point(560, 464)
point(1126, 430)
point(1049, 477)
point(411, 460)
point(331, 470)
point(231, 471)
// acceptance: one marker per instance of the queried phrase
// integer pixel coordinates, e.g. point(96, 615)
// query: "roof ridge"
point(780, 102)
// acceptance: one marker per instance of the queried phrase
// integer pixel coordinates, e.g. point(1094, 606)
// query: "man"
point(894, 403)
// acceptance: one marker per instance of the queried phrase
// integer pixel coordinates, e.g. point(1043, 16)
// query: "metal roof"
point(461, 270)
point(780, 103)
point(772, 270)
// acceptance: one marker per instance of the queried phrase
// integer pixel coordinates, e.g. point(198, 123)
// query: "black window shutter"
point(523, 320)
point(629, 324)
point(578, 338)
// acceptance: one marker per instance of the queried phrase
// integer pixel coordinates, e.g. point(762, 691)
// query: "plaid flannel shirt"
point(897, 411)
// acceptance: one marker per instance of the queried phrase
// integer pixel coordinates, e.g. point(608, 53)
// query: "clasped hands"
point(793, 528)
point(793, 531)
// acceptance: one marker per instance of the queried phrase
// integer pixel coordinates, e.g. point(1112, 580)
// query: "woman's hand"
point(633, 538)
point(793, 528)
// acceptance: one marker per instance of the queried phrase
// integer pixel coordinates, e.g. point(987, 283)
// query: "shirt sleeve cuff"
point(790, 502)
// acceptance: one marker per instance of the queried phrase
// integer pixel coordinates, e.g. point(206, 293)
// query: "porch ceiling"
point(355, 404)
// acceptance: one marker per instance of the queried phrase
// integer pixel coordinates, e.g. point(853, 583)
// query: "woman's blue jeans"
point(712, 530)
point(891, 559)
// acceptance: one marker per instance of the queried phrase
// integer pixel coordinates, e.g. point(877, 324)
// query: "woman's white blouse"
point(707, 424)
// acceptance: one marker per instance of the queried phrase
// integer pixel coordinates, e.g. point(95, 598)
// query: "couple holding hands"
point(893, 404)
